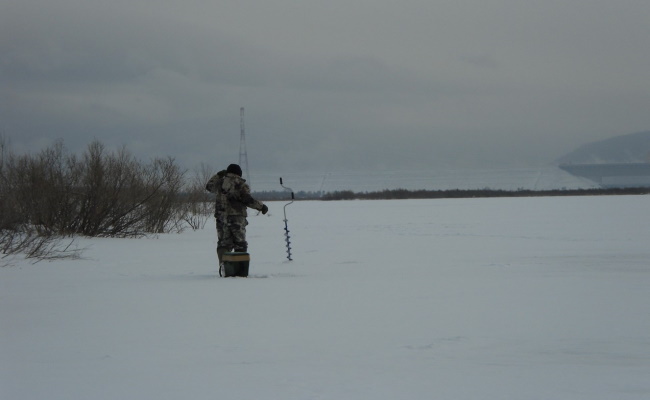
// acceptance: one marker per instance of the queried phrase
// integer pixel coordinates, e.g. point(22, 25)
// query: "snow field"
point(527, 298)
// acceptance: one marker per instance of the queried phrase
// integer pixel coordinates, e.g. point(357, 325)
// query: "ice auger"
point(287, 238)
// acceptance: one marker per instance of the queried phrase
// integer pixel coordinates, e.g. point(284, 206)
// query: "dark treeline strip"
point(284, 195)
point(403, 194)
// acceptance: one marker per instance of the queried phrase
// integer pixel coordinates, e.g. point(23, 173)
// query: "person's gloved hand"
point(265, 209)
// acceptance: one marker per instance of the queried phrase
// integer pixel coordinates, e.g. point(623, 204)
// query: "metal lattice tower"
point(243, 156)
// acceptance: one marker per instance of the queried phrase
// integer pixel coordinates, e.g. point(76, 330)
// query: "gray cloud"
point(327, 85)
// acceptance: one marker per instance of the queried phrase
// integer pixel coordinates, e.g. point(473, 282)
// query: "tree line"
point(405, 194)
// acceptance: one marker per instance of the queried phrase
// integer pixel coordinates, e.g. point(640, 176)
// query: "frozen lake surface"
point(504, 298)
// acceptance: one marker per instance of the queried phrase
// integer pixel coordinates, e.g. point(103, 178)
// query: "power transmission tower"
point(243, 156)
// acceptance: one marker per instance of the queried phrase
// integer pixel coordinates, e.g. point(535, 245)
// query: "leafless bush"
point(163, 184)
point(110, 194)
point(15, 235)
point(197, 205)
point(34, 245)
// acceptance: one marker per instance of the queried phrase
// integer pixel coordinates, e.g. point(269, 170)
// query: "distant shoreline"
point(403, 194)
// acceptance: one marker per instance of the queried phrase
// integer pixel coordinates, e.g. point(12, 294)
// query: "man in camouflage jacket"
point(237, 197)
point(214, 186)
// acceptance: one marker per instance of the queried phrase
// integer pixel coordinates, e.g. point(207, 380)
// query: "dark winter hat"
point(235, 169)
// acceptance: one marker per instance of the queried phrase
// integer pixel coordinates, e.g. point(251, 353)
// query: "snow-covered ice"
point(504, 298)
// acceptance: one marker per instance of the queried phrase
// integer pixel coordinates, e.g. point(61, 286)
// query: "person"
point(214, 186)
point(236, 199)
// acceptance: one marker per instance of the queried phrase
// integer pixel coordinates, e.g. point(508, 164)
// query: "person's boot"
point(220, 252)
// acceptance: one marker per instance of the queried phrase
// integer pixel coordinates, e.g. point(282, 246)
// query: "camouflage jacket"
point(238, 196)
point(214, 186)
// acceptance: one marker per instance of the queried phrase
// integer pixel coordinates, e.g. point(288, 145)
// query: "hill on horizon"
point(631, 148)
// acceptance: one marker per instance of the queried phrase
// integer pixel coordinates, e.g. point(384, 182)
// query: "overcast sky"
point(326, 85)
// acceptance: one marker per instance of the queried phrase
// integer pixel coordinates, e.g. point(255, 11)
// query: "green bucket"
point(236, 264)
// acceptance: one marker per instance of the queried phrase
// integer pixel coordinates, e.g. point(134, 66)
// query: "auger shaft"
point(287, 238)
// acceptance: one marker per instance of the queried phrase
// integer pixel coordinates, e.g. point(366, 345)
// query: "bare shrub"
point(34, 245)
point(163, 184)
point(111, 194)
point(122, 197)
point(197, 205)
point(17, 236)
